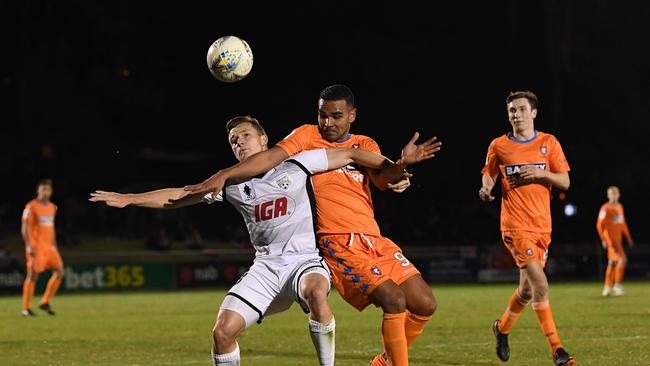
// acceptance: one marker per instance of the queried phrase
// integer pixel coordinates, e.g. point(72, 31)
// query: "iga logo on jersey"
point(516, 168)
point(272, 210)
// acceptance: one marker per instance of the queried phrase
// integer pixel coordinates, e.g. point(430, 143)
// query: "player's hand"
point(112, 199)
point(604, 244)
point(485, 194)
point(401, 185)
point(213, 184)
point(532, 173)
point(412, 153)
point(30, 251)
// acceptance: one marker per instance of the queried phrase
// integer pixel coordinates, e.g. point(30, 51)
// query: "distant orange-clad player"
point(611, 226)
point(530, 163)
point(366, 267)
point(41, 252)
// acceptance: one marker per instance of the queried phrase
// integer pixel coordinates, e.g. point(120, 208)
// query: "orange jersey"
point(611, 223)
point(526, 207)
point(40, 218)
point(343, 199)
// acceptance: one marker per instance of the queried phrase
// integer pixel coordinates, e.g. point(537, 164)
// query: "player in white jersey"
point(279, 212)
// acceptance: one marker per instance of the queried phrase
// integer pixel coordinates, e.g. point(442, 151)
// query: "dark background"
point(117, 96)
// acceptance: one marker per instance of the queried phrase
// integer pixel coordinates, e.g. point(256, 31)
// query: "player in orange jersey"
point(366, 267)
point(611, 227)
point(41, 252)
point(530, 163)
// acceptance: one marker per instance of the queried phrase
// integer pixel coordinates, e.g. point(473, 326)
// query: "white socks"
point(323, 337)
point(228, 359)
point(321, 334)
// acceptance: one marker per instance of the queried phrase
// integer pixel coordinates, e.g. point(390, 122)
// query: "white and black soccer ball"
point(230, 59)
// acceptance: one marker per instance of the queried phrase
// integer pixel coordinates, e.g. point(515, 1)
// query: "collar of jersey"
point(345, 139)
point(513, 139)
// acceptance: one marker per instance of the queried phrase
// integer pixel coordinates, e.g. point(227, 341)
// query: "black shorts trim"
point(304, 306)
point(261, 316)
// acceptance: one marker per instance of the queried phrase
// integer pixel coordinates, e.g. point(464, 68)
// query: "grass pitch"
point(174, 329)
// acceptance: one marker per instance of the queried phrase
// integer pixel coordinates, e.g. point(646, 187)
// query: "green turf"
point(174, 329)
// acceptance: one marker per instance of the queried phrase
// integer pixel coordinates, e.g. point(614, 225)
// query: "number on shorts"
point(400, 257)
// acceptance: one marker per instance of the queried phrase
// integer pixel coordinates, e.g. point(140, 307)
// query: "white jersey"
point(279, 208)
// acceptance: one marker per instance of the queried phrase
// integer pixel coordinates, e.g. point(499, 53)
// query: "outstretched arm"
point(167, 198)
point(411, 153)
point(257, 164)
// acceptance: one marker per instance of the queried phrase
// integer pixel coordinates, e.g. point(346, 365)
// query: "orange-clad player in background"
point(366, 267)
point(41, 252)
point(530, 163)
point(611, 226)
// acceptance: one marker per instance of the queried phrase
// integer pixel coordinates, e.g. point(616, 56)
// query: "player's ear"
point(534, 113)
point(353, 115)
point(264, 139)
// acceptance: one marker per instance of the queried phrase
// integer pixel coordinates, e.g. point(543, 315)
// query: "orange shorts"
point(359, 263)
point(527, 246)
point(615, 251)
point(46, 258)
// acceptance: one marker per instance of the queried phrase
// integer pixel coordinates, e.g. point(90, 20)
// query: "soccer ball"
point(230, 59)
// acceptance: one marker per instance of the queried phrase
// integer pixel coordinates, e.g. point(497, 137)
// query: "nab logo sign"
point(272, 210)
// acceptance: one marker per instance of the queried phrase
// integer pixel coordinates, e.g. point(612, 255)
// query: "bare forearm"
point(24, 230)
point(162, 198)
point(559, 180)
point(338, 158)
point(257, 164)
point(488, 181)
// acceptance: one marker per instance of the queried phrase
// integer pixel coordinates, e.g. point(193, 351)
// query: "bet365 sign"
point(117, 276)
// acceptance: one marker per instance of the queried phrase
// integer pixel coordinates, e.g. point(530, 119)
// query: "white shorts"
point(269, 287)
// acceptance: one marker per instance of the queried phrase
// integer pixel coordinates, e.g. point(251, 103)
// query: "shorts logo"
point(284, 181)
point(543, 150)
point(514, 169)
point(247, 192)
point(529, 252)
point(375, 270)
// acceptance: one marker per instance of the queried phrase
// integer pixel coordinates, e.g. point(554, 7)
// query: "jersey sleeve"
point(28, 212)
point(314, 161)
point(209, 198)
point(491, 167)
point(557, 159)
point(368, 144)
point(296, 141)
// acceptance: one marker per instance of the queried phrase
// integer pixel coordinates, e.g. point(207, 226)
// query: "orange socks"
point(393, 335)
point(545, 318)
point(52, 286)
point(618, 273)
point(413, 326)
point(515, 306)
point(609, 275)
point(28, 293)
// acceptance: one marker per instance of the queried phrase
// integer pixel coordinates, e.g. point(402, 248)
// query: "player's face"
point(613, 194)
point(335, 118)
point(44, 192)
point(520, 114)
point(245, 141)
